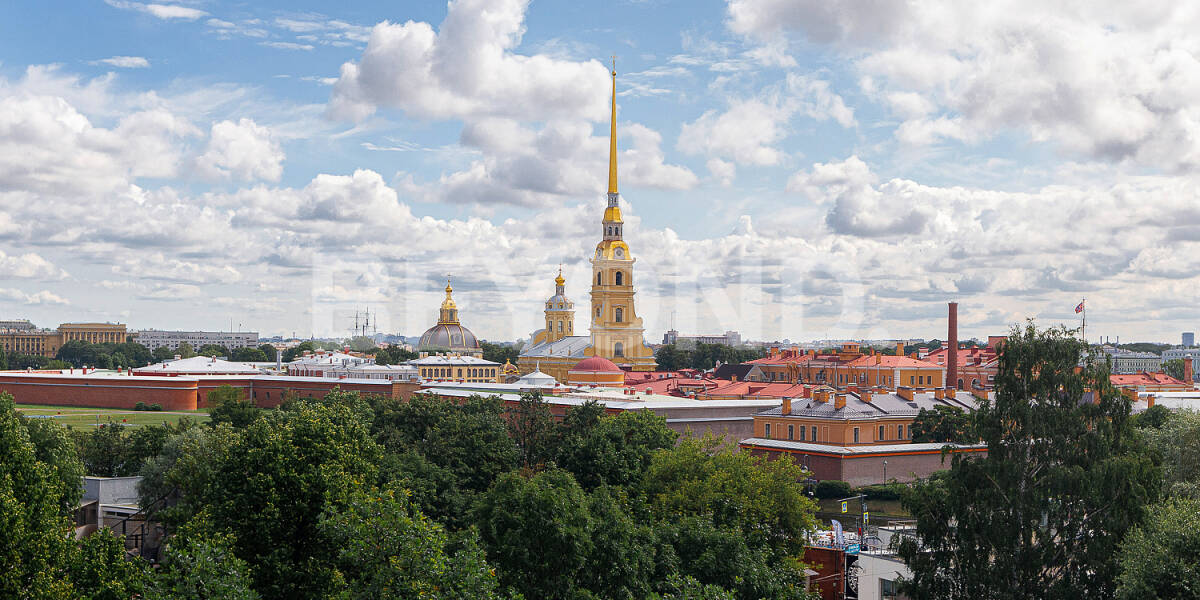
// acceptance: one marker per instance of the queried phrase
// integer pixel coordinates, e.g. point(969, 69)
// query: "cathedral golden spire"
point(449, 312)
point(612, 136)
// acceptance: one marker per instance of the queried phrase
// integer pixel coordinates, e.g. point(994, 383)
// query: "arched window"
point(560, 327)
point(599, 278)
point(620, 314)
point(618, 348)
point(598, 311)
point(569, 328)
point(620, 278)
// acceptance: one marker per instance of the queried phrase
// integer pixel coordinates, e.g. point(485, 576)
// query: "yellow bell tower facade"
point(560, 312)
point(617, 332)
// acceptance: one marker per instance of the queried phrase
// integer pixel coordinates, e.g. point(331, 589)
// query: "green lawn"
point(90, 417)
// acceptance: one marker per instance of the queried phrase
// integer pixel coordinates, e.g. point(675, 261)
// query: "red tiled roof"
point(1136, 379)
point(757, 388)
point(890, 362)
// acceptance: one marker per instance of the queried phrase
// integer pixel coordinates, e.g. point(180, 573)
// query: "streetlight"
point(885, 471)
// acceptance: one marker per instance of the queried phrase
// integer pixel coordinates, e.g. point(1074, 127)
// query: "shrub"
point(833, 488)
point(156, 406)
point(140, 406)
point(887, 491)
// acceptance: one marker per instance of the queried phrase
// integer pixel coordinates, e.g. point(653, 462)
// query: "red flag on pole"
point(1079, 309)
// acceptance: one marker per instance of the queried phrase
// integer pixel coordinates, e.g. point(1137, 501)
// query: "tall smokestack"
point(952, 355)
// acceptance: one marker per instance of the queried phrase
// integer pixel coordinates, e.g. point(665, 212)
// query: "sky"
point(800, 169)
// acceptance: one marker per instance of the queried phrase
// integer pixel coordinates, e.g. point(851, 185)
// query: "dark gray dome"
point(451, 337)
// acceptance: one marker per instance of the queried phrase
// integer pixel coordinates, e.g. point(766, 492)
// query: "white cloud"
point(242, 150)
point(563, 159)
point(750, 130)
point(162, 11)
point(124, 62)
point(43, 297)
point(287, 45)
point(467, 69)
point(1106, 80)
point(28, 266)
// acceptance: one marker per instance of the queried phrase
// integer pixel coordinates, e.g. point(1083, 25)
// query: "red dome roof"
point(597, 364)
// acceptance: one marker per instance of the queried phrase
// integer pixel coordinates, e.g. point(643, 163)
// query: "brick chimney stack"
point(1188, 376)
point(952, 354)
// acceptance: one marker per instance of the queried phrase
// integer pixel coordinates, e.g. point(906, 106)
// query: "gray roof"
point(856, 450)
point(450, 336)
point(887, 404)
point(570, 346)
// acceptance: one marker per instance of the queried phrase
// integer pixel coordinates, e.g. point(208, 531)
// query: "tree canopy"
point(1064, 479)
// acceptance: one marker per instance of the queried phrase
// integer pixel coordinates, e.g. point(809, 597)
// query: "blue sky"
point(791, 169)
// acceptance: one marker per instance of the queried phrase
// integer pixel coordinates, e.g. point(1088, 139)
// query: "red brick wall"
point(100, 392)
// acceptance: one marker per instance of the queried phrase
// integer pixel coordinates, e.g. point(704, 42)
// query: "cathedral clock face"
point(620, 253)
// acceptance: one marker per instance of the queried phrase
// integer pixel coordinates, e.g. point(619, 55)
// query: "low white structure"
point(198, 365)
point(315, 364)
point(373, 371)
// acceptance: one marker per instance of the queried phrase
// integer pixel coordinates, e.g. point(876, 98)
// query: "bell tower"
point(560, 312)
point(617, 332)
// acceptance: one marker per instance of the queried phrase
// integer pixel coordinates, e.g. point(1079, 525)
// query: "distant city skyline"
point(800, 170)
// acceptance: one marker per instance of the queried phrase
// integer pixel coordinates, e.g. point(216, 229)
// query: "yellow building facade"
point(616, 331)
point(46, 342)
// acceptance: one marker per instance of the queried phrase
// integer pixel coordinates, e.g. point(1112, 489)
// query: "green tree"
point(213, 350)
point(279, 473)
point(616, 450)
point(249, 355)
point(1174, 368)
point(40, 556)
point(943, 424)
point(185, 350)
point(176, 483)
point(268, 350)
point(54, 448)
point(532, 427)
point(80, 353)
point(291, 353)
point(537, 531)
point(200, 565)
point(445, 452)
point(383, 548)
point(1161, 557)
point(671, 358)
point(162, 353)
point(1063, 481)
point(362, 343)
point(1154, 417)
point(500, 353)
point(734, 520)
point(1177, 444)
point(228, 404)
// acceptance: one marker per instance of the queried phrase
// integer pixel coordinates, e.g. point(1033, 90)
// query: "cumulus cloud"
point(526, 166)
point(467, 68)
point(749, 130)
point(242, 150)
point(49, 146)
point(1106, 80)
point(36, 298)
point(29, 266)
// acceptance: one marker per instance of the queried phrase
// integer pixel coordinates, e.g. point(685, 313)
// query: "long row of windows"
point(447, 372)
point(793, 431)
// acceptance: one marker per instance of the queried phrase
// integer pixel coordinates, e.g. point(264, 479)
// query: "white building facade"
point(154, 338)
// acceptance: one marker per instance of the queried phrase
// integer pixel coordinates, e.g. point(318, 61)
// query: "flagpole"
point(1083, 303)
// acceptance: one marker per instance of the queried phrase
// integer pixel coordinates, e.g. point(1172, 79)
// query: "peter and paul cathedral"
point(616, 330)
